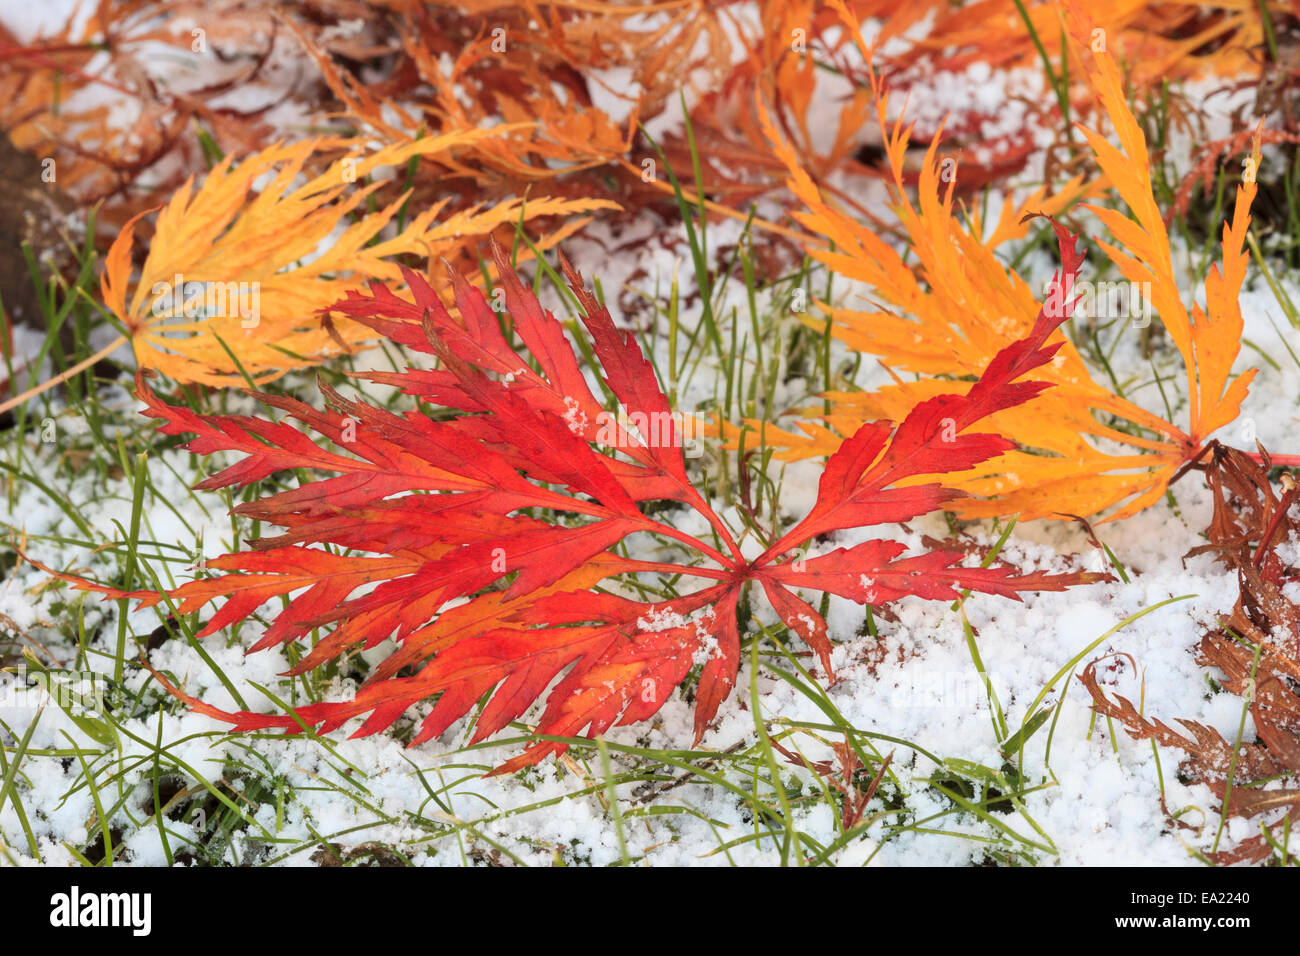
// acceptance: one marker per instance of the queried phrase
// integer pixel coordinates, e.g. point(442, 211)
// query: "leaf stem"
point(63, 376)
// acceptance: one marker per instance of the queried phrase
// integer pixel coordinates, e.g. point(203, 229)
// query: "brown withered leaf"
point(1255, 649)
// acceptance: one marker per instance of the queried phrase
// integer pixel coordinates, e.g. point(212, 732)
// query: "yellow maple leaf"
point(1084, 450)
point(233, 270)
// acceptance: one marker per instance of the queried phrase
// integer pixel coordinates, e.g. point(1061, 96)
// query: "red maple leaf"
point(477, 539)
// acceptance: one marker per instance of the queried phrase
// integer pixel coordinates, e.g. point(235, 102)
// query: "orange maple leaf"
point(1084, 450)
